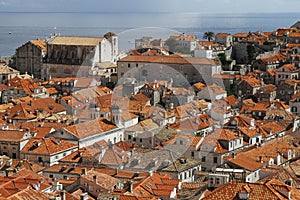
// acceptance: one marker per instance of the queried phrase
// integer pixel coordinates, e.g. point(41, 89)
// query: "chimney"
point(63, 195)
point(95, 179)
point(151, 173)
point(83, 171)
point(84, 196)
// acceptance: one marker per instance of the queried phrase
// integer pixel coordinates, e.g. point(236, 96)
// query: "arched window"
point(294, 109)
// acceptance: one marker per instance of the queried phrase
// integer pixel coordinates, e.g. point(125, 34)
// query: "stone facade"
point(76, 56)
point(29, 57)
point(183, 71)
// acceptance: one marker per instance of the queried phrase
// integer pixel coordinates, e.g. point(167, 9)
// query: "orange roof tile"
point(40, 43)
point(47, 146)
point(169, 60)
point(92, 127)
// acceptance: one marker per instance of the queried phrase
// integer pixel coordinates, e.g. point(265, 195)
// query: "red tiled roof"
point(47, 146)
point(231, 190)
point(92, 127)
point(40, 43)
point(169, 60)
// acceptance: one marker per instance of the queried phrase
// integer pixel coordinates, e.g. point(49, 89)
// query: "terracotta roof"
point(40, 43)
point(34, 125)
point(125, 146)
point(125, 174)
point(47, 146)
point(294, 34)
point(77, 156)
point(231, 191)
point(206, 43)
point(271, 128)
point(223, 76)
point(244, 35)
point(113, 157)
point(253, 82)
point(222, 34)
point(140, 97)
point(66, 169)
point(169, 60)
point(232, 100)
point(90, 128)
point(155, 186)
point(249, 132)
point(199, 86)
point(75, 40)
point(28, 85)
point(194, 124)
point(51, 91)
point(278, 57)
point(13, 135)
point(104, 181)
point(28, 193)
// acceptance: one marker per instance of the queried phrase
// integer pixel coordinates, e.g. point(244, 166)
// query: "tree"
point(171, 43)
point(209, 35)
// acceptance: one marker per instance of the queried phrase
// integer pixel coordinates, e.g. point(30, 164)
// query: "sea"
point(18, 28)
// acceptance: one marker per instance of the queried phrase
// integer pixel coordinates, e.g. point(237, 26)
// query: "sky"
point(204, 6)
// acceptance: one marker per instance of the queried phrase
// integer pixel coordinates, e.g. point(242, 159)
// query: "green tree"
point(209, 35)
point(171, 43)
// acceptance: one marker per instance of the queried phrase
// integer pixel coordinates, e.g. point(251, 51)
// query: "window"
point(65, 154)
point(129, 137)
point(141, 140)
point(134, 139)
point(128, 65)
point(40, 159)
point(192, 154)
point(51, 176)
point(257, 139)
point(215, 159)
point(65, 177)
point(217, 181)
point(14, 155)
point(203, 159)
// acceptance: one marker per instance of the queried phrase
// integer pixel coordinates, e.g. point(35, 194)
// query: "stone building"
point(13, 141)
point(224, 39)
point(29, 57)
point(71, 56)
point(183, 71)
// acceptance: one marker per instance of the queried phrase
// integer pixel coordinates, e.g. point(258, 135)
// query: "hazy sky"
point(215, 6)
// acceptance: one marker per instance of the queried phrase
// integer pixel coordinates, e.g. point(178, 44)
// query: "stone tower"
point(116, 115)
